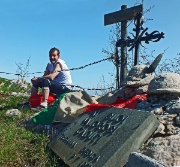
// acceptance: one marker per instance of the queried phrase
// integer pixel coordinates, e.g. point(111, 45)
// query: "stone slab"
point(140, 160)
point(104, 138)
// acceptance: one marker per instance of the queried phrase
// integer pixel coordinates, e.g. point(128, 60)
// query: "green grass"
point(8, 87)
point(18, 145)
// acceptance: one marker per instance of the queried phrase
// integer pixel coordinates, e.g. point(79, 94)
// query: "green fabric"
point(46, 116)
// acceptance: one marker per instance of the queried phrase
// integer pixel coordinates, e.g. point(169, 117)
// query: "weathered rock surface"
point(164, 101)
point(140, 160)
point(164, 149)
point(165, 83)
point(169, 103)
point(138, 77)
point(13, 113)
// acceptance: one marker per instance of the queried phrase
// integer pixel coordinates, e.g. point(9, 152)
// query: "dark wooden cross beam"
point(122, 16)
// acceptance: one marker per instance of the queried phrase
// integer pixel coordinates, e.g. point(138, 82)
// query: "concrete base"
point(140, 160)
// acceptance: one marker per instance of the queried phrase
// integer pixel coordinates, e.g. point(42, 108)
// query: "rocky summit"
point(162, 148)
point(163, 100)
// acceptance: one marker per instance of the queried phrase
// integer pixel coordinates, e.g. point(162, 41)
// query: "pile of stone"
point(163, 100)
point(163, 94)
point(135, 83)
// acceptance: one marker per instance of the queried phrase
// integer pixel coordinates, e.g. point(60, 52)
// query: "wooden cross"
point(122, 16)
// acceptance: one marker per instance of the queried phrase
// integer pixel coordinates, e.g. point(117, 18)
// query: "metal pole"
point(138, 29)
point(117, 68)
point(123, 48)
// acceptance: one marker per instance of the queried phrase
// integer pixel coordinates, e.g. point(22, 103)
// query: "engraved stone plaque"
point(104, 138)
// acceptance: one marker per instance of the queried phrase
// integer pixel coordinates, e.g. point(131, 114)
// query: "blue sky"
point(30, 28)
